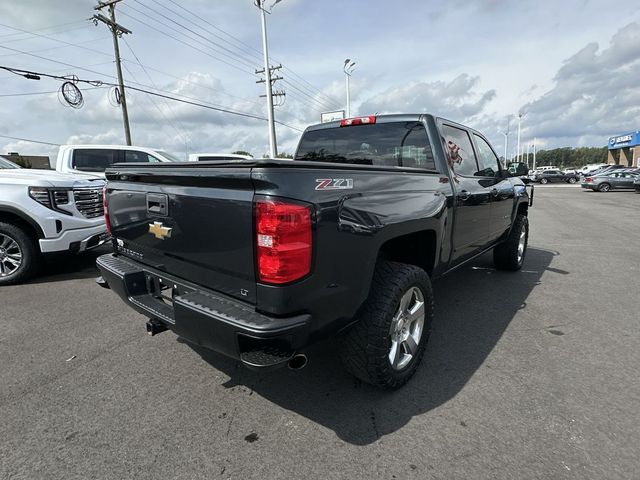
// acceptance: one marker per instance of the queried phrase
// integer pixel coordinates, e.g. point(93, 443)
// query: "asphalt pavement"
point(527, 375)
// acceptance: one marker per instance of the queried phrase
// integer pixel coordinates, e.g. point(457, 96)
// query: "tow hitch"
point(155, 327)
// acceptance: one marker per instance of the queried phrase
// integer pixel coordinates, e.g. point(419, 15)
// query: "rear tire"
point(604, 187)
point(510, 254)
point(385, 346)
point(18, 254)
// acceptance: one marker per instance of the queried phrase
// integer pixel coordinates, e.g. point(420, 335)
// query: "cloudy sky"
point(572, 67)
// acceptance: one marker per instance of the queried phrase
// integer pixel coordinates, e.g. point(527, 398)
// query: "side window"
point(131, 156)
point(460, 156)
point(487, 160)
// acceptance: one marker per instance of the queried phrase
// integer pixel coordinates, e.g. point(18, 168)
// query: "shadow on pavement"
point(472, 313)
point(66, 266)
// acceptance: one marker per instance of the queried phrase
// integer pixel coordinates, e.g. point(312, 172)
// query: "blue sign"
point(622, 141)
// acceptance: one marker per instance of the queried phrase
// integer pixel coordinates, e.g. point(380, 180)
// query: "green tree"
point(242, 152)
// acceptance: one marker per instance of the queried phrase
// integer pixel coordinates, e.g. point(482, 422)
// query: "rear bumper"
point(204, 317)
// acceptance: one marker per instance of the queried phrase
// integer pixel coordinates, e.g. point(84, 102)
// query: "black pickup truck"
point(258, 259)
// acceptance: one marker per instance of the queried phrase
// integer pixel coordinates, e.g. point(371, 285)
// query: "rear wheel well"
point(418, 248)
point(18, 221)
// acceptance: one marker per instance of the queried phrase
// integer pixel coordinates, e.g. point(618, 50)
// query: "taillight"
point(283, 240)
point(588, 179)
point(107, 221)
point(347, 122)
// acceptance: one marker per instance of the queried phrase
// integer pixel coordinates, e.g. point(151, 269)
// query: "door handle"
point(494, 192)
point(464, 195)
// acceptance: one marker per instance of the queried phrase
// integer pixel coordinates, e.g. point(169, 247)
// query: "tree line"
point(568, 157)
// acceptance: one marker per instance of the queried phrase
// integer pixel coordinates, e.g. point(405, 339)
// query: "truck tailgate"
point(194, 223)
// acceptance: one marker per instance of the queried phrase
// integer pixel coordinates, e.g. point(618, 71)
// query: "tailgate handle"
point(157, 203)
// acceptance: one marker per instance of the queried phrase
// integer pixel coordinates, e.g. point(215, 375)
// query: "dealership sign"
point(627, 140)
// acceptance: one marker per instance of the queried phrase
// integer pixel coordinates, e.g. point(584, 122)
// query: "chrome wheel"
point(522, 242)
point(406, 328)
point(10, 255)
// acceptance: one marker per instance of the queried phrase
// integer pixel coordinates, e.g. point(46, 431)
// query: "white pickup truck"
point(42, 211)
point(92, 160)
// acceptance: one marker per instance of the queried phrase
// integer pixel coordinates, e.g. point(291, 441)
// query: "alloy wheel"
point(10, 255)
point(406, 329)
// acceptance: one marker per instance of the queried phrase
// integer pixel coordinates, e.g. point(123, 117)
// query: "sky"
point(570, 68)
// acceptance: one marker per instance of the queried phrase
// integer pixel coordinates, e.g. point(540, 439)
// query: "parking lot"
point(527, 375)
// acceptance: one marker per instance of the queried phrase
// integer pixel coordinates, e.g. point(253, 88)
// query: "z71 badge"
point(334, 183)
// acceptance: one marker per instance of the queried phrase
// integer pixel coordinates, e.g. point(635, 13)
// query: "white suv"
point(42, 211)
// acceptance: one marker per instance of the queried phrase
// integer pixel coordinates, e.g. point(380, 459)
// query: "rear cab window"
point(385, 144)
point(94, 159)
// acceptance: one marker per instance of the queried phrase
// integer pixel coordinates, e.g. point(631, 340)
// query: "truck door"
point(472, 196)
point(502, 190)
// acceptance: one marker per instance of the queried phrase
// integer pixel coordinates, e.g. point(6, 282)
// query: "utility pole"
point(273, 149)
point(348, 69)
point(116, 31)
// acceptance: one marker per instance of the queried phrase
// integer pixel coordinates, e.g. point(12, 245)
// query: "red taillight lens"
point(107, 221)
point(283, 241)
point(588, 179)
point(347, 122)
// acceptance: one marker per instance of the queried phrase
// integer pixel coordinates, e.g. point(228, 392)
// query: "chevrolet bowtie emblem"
point(159, 230)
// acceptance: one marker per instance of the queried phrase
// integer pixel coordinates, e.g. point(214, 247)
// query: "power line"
point(233, 55)
point(39, 93)
point(256, 53)
point(28, 140)
point(22, 72)
point(180, 40)
point(52, 27)
point(27, 37)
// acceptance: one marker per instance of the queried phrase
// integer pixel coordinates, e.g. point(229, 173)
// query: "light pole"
point(506, 140)
point(273, 149)
point(520, 115)
point(348, 68)
point(534, 153)
point(527, 154)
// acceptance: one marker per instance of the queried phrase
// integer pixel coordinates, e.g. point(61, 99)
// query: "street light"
point(348, 68)
point(506, 140)
point(520, 115)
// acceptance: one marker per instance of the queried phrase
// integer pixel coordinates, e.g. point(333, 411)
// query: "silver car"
point(610, 181)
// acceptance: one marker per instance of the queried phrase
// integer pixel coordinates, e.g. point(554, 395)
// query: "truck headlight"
point(50, 198)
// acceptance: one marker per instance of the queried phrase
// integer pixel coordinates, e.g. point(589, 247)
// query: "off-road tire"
point(365, 347)
point(505, 254)
point(30, 254)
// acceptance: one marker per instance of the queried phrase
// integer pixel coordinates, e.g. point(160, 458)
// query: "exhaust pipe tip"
point(298, 361)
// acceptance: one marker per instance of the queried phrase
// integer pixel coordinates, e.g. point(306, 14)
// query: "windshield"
point(395, 144)
point(7, 164)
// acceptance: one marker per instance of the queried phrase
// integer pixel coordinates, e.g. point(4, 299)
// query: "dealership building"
point(625, 149)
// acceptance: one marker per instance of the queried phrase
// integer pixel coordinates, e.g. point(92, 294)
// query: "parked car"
point(547, 176)
point(4, 163)
point(636, 184)
point(606, 169)
point(610, 181)
point(92, 160)
point(271, 255)
point(589, 169)
point(42, 211)
point(204, 157)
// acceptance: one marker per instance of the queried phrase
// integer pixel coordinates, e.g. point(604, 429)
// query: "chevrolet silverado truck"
point(43, 212)
point(258, 259)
